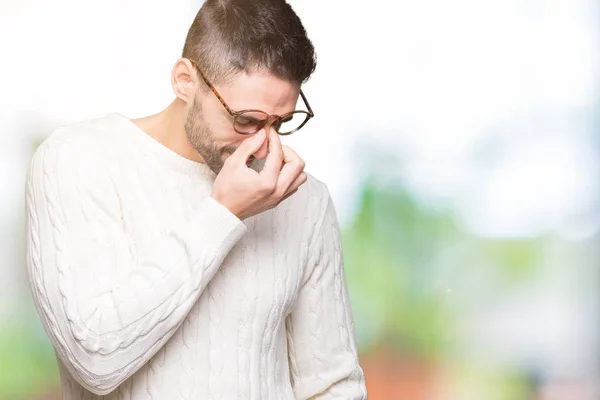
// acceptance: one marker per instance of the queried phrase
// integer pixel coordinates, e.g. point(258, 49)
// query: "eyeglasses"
point(248, 122)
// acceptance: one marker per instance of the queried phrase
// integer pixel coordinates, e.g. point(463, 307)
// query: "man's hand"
point(244, 191)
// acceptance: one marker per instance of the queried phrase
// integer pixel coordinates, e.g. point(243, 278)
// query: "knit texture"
point(148, 288)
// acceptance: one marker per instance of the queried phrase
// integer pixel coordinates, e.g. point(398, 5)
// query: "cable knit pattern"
point(150, 289)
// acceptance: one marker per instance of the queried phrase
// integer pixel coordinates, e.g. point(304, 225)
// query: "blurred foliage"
point(27, 360)
point(474, 382)
point(389, 255)
point(518, 259)
point(402, 256)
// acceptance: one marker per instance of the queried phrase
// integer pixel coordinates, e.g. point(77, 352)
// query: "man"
point(186, 255)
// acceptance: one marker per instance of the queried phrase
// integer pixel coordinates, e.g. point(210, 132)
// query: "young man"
point(186, 255)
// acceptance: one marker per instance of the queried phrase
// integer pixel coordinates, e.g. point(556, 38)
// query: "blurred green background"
point(460, 142)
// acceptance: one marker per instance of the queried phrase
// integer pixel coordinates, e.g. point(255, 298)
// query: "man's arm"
point(107, 308)
point(321, 343)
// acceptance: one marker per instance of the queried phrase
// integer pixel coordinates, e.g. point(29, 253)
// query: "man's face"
point(209, 127)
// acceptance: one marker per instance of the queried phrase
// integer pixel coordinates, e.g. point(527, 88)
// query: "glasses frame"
point(274, 120)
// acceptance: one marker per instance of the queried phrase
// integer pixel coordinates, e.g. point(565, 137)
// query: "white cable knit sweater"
point(150, 289)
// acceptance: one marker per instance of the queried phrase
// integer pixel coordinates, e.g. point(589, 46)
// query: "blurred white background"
point(488, 110)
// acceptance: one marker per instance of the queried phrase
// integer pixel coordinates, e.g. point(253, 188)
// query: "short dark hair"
point(232, 36)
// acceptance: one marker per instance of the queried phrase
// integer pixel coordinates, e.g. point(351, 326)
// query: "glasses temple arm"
point(310, 111)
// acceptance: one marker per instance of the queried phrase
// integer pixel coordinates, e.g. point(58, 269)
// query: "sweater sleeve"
point(106, 308)
point(321, 344)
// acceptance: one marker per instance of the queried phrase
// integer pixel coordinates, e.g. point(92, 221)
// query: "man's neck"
point(168, 128)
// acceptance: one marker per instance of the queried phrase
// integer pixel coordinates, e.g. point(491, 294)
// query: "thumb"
point(250, 145)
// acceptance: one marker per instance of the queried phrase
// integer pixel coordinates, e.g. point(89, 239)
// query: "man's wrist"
point(218, 199)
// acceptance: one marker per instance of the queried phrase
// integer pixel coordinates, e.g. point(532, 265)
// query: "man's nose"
point(264, 150)
point(273, 122)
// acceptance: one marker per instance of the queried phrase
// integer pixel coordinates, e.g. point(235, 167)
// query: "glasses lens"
point(292, 122)
point(250, 121)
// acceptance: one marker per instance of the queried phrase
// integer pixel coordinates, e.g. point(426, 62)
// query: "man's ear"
point(183, 80)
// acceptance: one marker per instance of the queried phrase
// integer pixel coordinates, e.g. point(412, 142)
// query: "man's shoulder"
point(82, 144)
point(314, 186)
point(90, 139)
point(91, 132)
point(312, 197)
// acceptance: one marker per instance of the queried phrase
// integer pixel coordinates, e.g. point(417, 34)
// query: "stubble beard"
point(202, 139)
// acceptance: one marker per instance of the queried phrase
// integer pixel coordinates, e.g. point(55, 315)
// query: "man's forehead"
point(261, 91)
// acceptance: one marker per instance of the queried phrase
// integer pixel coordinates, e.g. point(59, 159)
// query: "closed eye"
point(243, 120)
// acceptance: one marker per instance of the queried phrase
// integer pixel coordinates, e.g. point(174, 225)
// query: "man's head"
point(256, 54)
